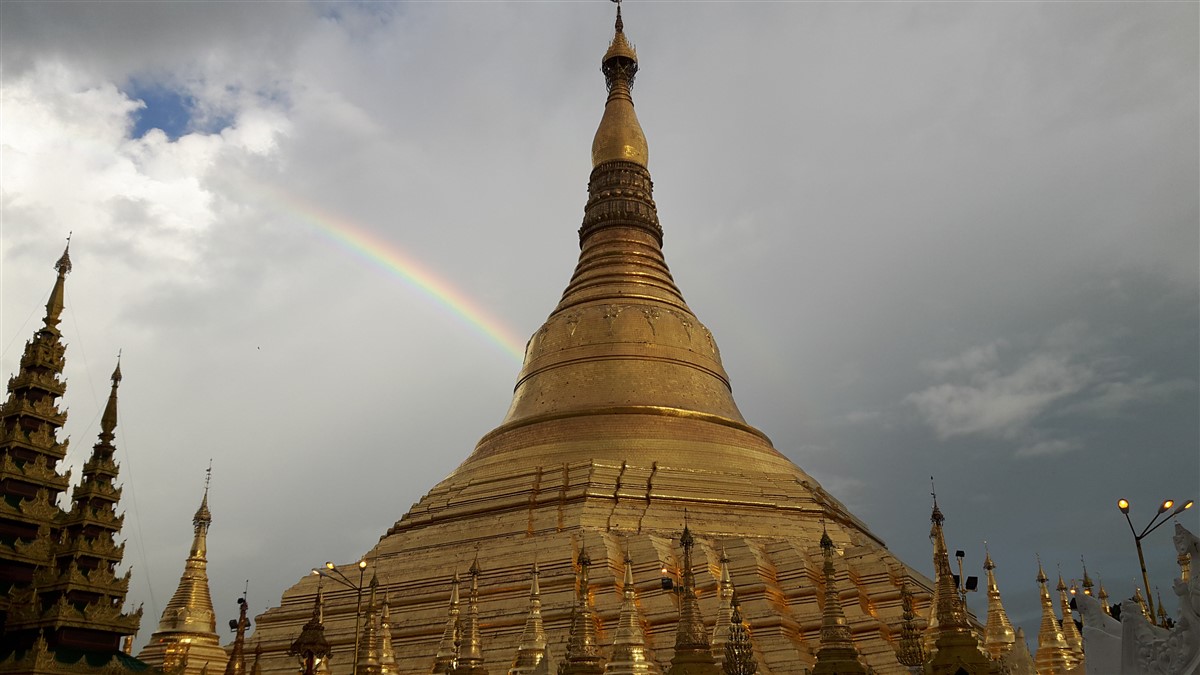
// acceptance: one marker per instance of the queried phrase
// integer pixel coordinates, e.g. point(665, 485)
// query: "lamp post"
point(333, 573)
point(1154, 524)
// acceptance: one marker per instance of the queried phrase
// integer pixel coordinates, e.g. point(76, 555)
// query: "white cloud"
point(971, 360)
point(1000, 405)
point(1048, 448)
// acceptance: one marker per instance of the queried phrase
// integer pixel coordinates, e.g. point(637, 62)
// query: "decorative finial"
point(63, 266)
point(936, 517)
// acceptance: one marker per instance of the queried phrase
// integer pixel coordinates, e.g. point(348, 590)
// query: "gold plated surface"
point(186, 642)
point(837, 655)
point(622, 417)
point(998, 634)
point(1053, 656)
point(619, 136)
point(630, 656)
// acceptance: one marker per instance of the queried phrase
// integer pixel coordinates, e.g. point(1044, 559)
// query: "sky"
point(948, 239)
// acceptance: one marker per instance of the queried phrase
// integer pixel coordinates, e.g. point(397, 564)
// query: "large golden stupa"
point(622, 426)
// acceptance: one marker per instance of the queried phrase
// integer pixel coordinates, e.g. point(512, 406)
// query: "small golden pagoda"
point(998, 634)
point(693, 651)
point(837, 655)
point(1053, 656)
point(957, 649)
point(630, 655)
point(739, 650)
point(622, 417)
point(186, 641)
point(1069, 629)
point(583, 646)
point(532, 657)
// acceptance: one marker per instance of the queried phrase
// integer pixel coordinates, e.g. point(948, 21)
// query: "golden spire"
point(447, 653)
point(311, 648)
point(108, 421)
point(387, 653)
point(190, 609)
point(619, 137)
point(998, 634)
point(911, 652)
point(237, 653)
point(724, 610)
point(55, 305)
point(368, 659)
point(1162, 611)
point(531, 651)
point(837, 654)
point(693, 651)
point(1103, 595)
point(583, 651)
point(739, 651)
point(1069, 629)
point(630, 656)
point(1053, 655)
point(1087, 581)
point(470, 657)
point(1141, 603)
point(955, 644)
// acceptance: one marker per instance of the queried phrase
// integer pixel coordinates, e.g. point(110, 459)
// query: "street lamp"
point(1154, 524)
point(332, 573)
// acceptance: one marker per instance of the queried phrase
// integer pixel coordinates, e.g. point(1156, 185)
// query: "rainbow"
point(388, 257)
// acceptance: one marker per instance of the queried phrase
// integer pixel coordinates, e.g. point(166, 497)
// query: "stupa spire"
point(311, 648)
point(1069, 629)
point(447, 653)
point(188, 623)
point(998, 634)
point(470, 656)
point(1053, 656)
point(583, 649)
point(911, 652)
point(724, 610)
point(955, 644)
point(531, 651)
point(630, 656)
point(55, 304)
point(739, 651)
point(1103, 595)
point(619, 137)
point(693, 651)
point(1087, 583)
point(368, 659)
point(837, 654)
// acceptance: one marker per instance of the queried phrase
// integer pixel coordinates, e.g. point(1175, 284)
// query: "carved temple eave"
point(35, 472)
point(46, 380)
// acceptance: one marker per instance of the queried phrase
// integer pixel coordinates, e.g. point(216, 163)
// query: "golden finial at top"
point(619, 137)
point(63, 266)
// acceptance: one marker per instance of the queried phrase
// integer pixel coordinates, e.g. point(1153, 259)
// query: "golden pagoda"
point(837, 655)
point(60, 597)
point(957, 649)
point(693, 650)
point(1070, 630)
point(532, 656)
point(739, 650)
point(629, 653)
point(622, 417)
point(724, 622)
point(998, 634)
point(186, 641)
point(1053, 656)
point(583, 646)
